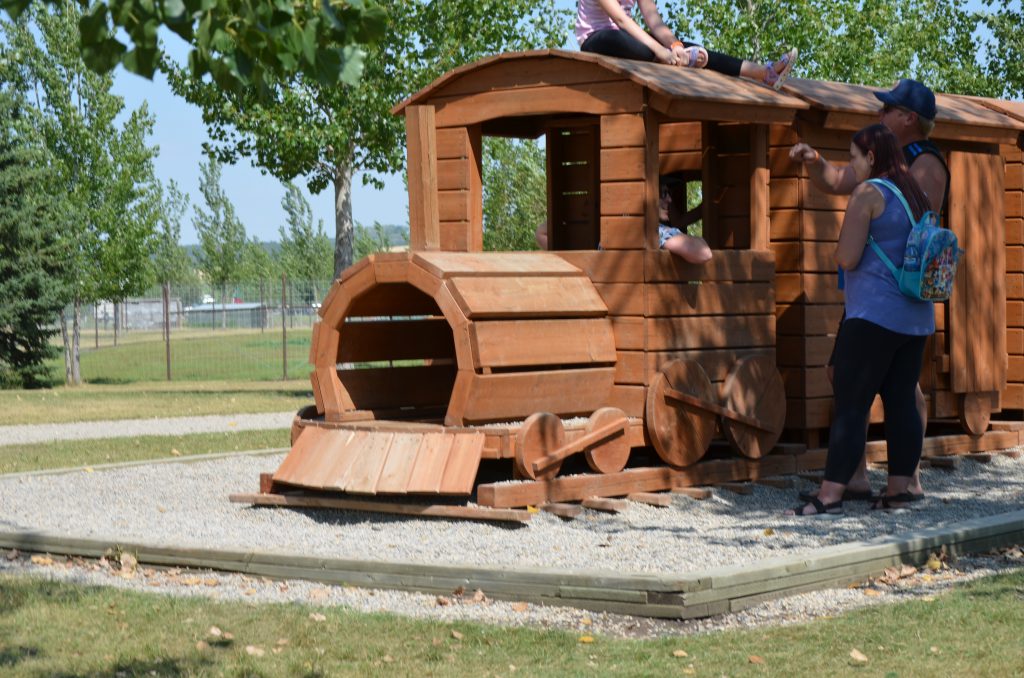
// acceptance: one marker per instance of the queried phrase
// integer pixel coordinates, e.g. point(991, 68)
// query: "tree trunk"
point(343, 228)
point(224, 299)
point(76, 335)
point(66, 338)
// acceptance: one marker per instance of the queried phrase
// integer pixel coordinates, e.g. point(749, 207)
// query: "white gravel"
point(24, 434)
point(186, 505)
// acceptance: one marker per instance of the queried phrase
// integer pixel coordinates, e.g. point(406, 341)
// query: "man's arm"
point(931, 177)
point(826, 176)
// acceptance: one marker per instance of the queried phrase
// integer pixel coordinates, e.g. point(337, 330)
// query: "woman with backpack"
point(881, 345)
point(607, 27)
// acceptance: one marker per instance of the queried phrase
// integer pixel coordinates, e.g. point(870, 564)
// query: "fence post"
point(284, 325)
point(167, 326)
point(96, 322)
point(263, 309)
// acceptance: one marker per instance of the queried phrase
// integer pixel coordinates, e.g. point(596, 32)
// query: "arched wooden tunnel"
point(472, 337)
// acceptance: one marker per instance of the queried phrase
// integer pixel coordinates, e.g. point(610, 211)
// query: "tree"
point(306, 252)
point(238, 43)
point(873, 42)
point(222, 240)
point(515, 193)
point(371, 240)
point(257, 264)
point(327, 132)
point(32, 289)
point(102, 169)
point(1005, 51)
point(171, 263)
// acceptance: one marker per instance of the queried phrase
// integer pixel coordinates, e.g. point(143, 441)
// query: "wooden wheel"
point(609, 455)
point(681, 434)
point(539, 435)
point(975, 412)
point(754, 389)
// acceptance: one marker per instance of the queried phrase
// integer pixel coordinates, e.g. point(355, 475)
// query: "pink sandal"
point(696, 57)
point(777, 78)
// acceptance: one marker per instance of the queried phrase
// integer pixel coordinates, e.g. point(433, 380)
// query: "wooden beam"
point(759, 176)
point(421, 137)
point(419, 510)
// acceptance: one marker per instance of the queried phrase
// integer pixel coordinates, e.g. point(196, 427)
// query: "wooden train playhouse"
point(426, 363)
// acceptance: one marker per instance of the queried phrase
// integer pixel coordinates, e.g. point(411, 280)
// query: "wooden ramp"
point(383, 462)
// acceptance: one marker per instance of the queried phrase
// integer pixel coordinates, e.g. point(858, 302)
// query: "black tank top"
point(916, 149)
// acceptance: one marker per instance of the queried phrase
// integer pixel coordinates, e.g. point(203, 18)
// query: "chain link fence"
point(237, 331)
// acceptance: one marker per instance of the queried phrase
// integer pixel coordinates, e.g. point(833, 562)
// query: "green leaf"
point(174, 10)
point(141, 61)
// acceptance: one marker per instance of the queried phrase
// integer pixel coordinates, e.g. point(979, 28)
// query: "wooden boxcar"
point(428, 361)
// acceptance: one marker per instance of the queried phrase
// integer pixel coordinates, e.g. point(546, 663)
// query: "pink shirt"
point(590, 17)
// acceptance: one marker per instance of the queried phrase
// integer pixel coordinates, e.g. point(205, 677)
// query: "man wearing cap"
point(908, 109)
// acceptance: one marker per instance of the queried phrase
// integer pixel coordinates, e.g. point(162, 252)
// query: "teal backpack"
point(930, 257)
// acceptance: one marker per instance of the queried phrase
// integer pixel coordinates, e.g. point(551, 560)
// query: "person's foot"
point(778, 71)
point(854, 492)
point(892, 502)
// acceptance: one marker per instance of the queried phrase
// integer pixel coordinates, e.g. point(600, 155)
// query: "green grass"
point(72, 453)
point(51, 628)
point(153, 399)
point(196, 355)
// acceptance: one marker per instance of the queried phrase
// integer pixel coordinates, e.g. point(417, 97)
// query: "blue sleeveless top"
point(871, 290)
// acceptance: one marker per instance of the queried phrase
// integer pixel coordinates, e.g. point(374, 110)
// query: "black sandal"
point(833, 509)
point(848, 495)
point(885, 502)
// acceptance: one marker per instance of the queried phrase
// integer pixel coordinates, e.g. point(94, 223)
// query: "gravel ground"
point(186, 505)
point(24, 434)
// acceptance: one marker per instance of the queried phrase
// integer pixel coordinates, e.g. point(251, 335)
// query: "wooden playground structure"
point(443, 373)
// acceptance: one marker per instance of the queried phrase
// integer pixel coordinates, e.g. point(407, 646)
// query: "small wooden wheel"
point(754, 389)
point(540, 434)
point(609, 455)
point(975, 412)
point(681, 434)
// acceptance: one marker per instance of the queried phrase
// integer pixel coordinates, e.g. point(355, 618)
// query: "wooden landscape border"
point(684, 596)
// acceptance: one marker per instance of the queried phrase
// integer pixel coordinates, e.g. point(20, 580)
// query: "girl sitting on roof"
point(607, 27)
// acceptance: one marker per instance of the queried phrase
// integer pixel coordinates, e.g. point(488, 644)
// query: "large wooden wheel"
point(611, 454)
point(975, 412)
point(754, 390)
point(540, 434)
point(681, 433)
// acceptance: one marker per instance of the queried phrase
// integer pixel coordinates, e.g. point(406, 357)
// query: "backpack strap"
point(871, 241)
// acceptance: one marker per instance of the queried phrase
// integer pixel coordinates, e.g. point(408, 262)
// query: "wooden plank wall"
point(459, 189)
point(805, 226)
point(1013, 396)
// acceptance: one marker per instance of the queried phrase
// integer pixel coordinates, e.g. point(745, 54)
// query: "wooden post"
point(421, 165)
point(263, 309)
point(167, 326)
point(284, 326)
point(759, 176)
point(96, 322)
point(709, 185)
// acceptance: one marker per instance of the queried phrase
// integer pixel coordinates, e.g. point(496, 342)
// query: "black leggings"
point(618, 43)
point(870, 359)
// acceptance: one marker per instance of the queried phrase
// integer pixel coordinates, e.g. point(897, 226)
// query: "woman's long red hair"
point(891, 164)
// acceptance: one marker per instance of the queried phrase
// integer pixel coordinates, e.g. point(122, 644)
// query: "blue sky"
point(180, 133)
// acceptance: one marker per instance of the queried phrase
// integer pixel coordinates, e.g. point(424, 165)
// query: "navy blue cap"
point(911, 95)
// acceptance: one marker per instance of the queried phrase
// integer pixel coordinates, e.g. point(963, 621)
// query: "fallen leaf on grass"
point(934, 650)
point(520, 607)
point(387, 659)
point(858, 656)
point(42, 560)
point(13, 554)
point(532, 509)
point(754, 659)
point(202, 646)
point(933, 564)
point(479, 597)
point(175, 453)
point(317, 617)
point(456, 635)
point(442, 601)
point(586, 639)
point(254, 651)
point(680, 653)
point(214, 631)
